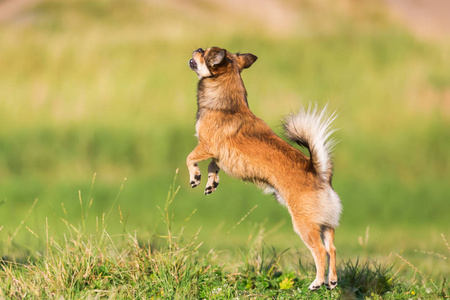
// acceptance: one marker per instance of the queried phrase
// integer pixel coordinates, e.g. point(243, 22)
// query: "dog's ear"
point(245, 60)
point(216, 56)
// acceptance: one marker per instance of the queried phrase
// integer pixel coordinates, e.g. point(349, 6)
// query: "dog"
point(244, 146)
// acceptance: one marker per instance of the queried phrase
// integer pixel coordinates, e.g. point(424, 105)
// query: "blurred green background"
point(103, 87)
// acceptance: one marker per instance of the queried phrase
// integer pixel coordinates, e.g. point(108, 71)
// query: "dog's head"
point(215, 61)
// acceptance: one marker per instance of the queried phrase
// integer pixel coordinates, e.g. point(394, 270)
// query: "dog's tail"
point(310, 128)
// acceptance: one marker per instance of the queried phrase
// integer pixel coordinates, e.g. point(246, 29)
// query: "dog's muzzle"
point(192, 64)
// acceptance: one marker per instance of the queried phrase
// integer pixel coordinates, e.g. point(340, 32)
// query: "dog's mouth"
point(193, 64)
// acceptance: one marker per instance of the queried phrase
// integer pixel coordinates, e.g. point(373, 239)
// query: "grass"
point(172, 265)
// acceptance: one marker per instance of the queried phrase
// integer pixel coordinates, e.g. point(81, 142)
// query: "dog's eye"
point(203, 54)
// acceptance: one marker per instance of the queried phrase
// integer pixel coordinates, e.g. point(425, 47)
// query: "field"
point(98, 106)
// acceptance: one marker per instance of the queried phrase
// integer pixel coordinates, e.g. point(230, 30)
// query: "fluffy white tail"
point(310, 128)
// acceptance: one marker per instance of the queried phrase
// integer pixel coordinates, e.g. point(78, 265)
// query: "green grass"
point(103, 87)
point(172, 265)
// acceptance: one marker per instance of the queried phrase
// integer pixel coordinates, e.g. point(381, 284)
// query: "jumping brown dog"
point(245, 147)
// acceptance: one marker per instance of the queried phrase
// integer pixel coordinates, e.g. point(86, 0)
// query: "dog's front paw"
point(195, 181)
point(211, 188)
point(213, 182)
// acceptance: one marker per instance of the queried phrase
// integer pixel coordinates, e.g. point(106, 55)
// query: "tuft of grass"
point(363, 278)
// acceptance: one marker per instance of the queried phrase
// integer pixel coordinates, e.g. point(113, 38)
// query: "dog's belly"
point(239, 165)
point(236, 168)
point(247, 172)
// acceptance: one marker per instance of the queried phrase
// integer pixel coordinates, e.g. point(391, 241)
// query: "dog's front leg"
point(198, 154)
point(213, 177)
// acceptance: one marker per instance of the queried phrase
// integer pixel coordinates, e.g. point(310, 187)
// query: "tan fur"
point(244, 147)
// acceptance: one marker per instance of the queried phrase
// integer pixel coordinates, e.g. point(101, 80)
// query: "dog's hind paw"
point(315, 286)
point(331, 285)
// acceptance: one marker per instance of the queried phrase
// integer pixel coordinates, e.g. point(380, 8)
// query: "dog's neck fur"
point(225, 92)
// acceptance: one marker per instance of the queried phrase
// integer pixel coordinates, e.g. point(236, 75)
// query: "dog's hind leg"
point(213, 177)
point(328, 239)
point(311, 236)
